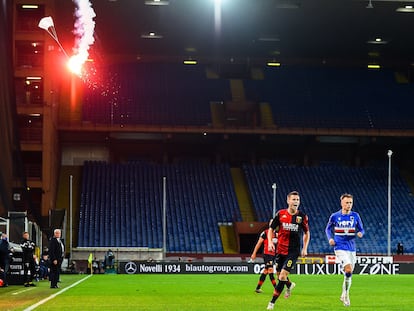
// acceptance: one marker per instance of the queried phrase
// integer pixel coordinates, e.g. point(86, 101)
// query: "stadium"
point(161, 136)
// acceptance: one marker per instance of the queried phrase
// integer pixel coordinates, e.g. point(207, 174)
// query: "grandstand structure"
point(319, 187)
point(126, 199)
point(89, 154)
point(323, 98)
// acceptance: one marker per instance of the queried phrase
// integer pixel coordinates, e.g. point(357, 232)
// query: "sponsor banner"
point(360, 268)
point(310, 259)
point(136, 267)
point(332, 259)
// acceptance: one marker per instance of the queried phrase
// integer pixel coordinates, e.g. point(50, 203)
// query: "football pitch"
point(208, 292)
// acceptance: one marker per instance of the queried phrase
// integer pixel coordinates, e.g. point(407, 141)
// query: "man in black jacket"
point(56, 254)
point(4, 258)
point(28, 248)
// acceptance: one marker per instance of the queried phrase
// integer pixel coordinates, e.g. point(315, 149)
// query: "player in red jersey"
point(268, 258)
point(290, 223)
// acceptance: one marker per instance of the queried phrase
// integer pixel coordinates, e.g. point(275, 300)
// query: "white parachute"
point(84, 32)
point(47, 24)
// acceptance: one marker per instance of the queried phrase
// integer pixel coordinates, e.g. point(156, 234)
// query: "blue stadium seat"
point(367, 184)
point(121, 205)
point(197, 201)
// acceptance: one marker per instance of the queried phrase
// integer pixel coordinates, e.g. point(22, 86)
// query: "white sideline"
point(22, 291)
point(32, 307)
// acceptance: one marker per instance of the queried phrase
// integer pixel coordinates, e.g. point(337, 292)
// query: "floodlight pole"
point(389, 204)
point(274, 199)
point(164, 217)
point(70, 215)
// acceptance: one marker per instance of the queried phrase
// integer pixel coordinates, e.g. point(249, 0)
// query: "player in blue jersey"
point(342, 229)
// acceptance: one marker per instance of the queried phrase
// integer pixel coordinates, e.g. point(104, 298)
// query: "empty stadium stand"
point(165, 94)
point(121, 204)
point(154, 94)
point(338, 98)
point(320, 188)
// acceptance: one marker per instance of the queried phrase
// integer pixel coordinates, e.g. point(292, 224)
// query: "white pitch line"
point(22, 291)
point(32, 307)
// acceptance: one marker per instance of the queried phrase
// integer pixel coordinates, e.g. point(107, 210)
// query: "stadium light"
point(405, 9)
point(190, 62)
point(151, 35)
point(374, 66)
point(30, 6)
point(157, 2)
point(273, 64)
point(33, 78)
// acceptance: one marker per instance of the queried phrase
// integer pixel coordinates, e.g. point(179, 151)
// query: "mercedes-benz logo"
point(130, 267)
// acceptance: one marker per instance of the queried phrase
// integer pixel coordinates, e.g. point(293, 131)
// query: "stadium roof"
point(312, 31)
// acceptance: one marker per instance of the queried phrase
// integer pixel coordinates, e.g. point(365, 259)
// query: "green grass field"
point(209, 292)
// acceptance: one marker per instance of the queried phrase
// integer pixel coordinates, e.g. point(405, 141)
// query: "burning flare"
point(84, 30)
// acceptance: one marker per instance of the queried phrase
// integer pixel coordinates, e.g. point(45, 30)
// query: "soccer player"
point(268, 258)
point(290, 223)
point(341, 230)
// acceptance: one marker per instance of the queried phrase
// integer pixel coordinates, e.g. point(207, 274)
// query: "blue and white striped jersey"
point(343, 229)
